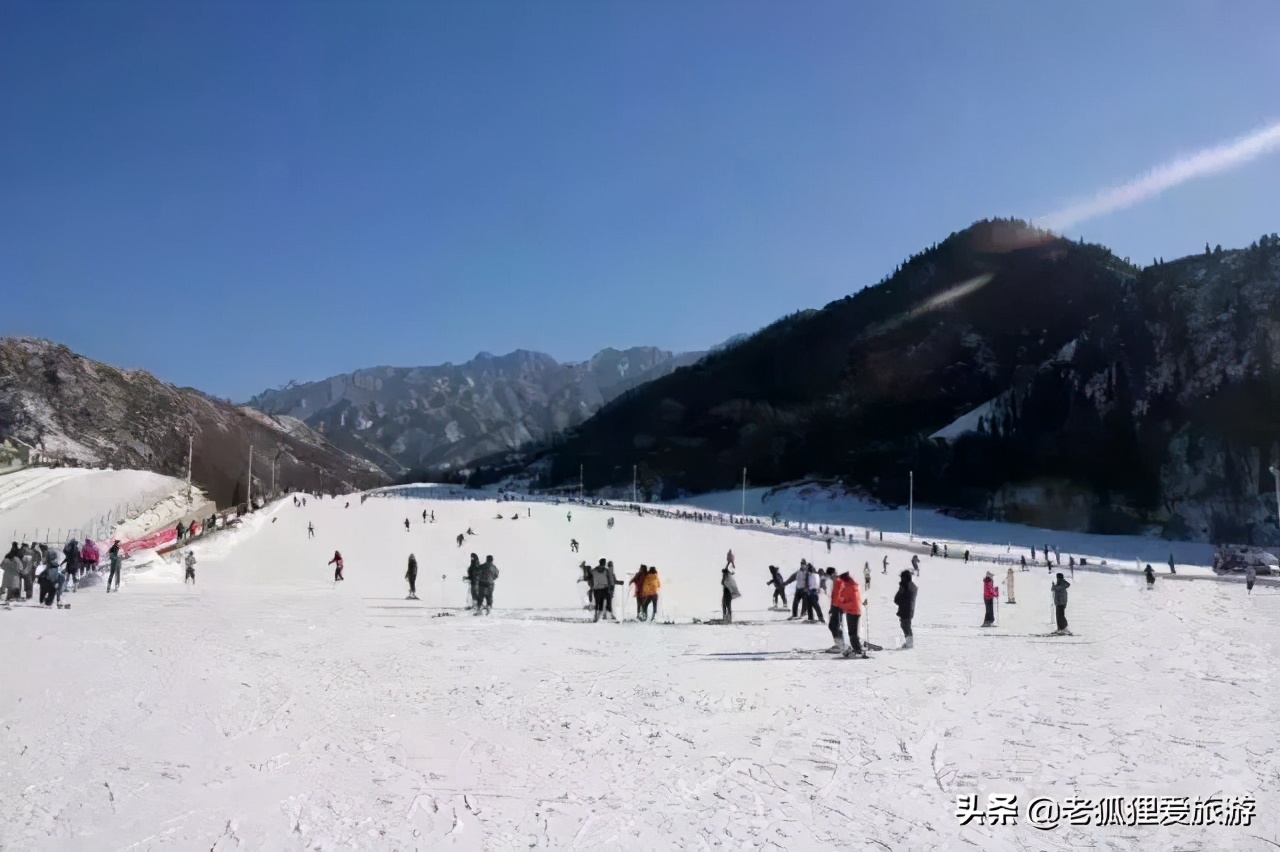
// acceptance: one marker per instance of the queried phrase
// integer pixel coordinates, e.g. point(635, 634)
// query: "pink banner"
point(151, 542)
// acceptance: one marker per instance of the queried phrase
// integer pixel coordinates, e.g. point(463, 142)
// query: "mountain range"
point(1005, 372)
point(433, 420)
point(80, 411)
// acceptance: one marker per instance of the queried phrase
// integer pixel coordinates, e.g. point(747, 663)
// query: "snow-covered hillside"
point(269, 708)
point(52, 504)
point(820, 504)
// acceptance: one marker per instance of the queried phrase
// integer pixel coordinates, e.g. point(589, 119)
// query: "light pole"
point(580, 483)
point(911, 505)
point(190, 446)
point(1275, 476)
point(744, 491)
point(634, 481)
point(250, 489)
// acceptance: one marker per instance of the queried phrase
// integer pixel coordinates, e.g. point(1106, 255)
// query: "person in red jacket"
point(846, 601)
point(990, 591)
point(336, 562)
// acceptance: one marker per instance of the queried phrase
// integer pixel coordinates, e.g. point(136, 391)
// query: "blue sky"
point(232, 195)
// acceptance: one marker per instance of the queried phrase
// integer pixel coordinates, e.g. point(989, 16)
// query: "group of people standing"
point(29, 566)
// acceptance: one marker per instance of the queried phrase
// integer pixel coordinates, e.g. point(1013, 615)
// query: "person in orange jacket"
point(846, 601)
point(649, 594)
point(990, 591)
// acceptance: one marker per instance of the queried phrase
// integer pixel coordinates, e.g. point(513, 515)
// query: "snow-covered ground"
point(40, 503)
point(818, 504)
point(265, 708)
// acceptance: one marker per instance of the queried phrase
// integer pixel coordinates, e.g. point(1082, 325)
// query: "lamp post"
point(634, 482)
point(1275, 475)
point(911, 506)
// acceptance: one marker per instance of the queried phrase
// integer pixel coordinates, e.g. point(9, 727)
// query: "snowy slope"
point(266, 709)
point(62, 501)
point(818, 504)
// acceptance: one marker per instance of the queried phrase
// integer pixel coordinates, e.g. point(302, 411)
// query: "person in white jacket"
point(1008, 587)
point(190, 562)
point(814, 581)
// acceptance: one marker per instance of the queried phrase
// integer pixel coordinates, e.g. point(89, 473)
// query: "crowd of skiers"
point(28, 567)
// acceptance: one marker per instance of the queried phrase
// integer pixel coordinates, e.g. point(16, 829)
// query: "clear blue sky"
point(233, 195)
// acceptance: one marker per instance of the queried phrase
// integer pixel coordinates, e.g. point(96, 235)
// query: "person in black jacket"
point(412, 576)
point(1060, 602)
point(905, 600)
point(779, 586)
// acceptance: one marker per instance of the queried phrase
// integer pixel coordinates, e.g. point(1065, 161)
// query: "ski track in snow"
point(266, 709)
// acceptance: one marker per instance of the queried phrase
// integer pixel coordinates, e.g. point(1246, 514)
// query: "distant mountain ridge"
point(442, 418)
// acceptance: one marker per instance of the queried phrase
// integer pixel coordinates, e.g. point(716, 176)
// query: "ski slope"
point(268, 708)
point(41, 503)
point(818, 504)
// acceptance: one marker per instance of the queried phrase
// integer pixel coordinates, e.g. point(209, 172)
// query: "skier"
point(336, 562)
point(470, 531)
point(609, 523)
point(915, 564)
point(412, 575)
point(113, 562)
point(905, 600)
point(488, 575)
point(637, 582)
point(966, 557)
point(190, 563)
point(12, 567)
point(601, 584)
point(729, 561)
point(1172, 570)
point(649, 595)
point(28, 570)
point(50, 578)
point(472, 576)
point(89, 556)
point(613, 588)
point(569, 515)
point(1024, 563)
point(433, 516)
point(828, 545)
point(946, 553)
point(1033, 553)
point(1008, 587)
point(406, 524)
point(311, 530)
point(1060, 602)
point(460, 539)
point(866, 578)
point(424, 516)
point(1151, 575)
point(989, 595)
point(779, 586)
point(846, 607)
point(573, 545)
point(814, 582)
point(884, 565)
point(729, 587)
point(71, 552)
point(1250, 575)
point(180, 530)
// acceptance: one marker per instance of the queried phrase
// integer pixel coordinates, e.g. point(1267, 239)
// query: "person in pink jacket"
point(990, 591)
point(89, 555)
